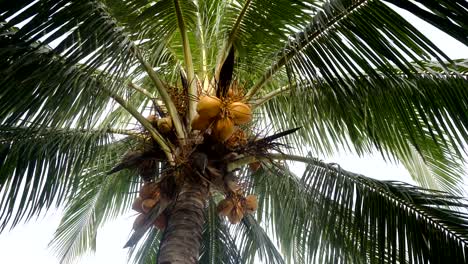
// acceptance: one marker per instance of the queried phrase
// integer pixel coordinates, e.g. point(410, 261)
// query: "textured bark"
point(182, 237)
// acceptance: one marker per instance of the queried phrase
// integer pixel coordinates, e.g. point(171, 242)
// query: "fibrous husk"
point(240, 112)
point(139, 221)
point(223, 129)
point(209, 107)
point(250, 204)
point(165, 125)
point(149, 190)
point(200, 123)
point(225, 207)
point(236, 215)
point(148, 204)
point(161, 222)
point(137, 205)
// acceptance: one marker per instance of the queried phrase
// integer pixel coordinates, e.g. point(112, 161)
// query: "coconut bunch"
point(149, 197)
point(236, 206)
point(222, 115)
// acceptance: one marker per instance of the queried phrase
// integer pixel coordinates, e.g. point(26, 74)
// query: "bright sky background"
point(27, 243)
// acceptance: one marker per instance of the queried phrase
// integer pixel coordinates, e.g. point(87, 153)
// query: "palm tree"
point(190, 111)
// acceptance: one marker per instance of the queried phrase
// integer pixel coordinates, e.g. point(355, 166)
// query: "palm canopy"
point(351, 73)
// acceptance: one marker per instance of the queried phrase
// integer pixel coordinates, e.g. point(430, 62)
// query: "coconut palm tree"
point(190, 112)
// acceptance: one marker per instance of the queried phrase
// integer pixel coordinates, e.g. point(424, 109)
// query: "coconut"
point(223, 129)
point(160, 222)
point(250, 204)
point(209, 107)
point(240, 112)
point(236, 215)
point(225, 207)
point(137, 205)
point(148, 190)
point(255, 166)
point(200, 123)
point(139, 221)
point(148, 204)
point(165, 125)
point(153, 119)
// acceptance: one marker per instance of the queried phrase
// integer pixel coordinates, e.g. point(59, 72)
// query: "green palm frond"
point(83, 29)
point(253, 241)
point(146, 252)
point(351, 37)
point(218, 246)
point(384, 221)
point(99, 198)
point(437, 12)
point(287, 208)
point(59, 156)
point(426, 114)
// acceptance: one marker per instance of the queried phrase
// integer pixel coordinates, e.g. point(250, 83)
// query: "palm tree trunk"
point(182, 238)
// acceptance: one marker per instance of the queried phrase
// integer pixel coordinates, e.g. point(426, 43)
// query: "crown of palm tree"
point(178, 100)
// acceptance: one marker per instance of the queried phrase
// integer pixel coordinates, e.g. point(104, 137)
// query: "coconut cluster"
point(149, 197)
point(221, 115)
point(235, 207)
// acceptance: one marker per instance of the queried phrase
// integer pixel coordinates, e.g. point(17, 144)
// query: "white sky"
point(27, 243)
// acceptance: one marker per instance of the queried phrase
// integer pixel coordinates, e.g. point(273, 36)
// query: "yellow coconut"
point(148, 204)
point(225, 207)
point(209, 107)
point(236, 215)
point(250, 204)
point(137, 205)
point(240, 112)
point(165, 125)
point(200, 123)
point(139, 221)
point(223, 129)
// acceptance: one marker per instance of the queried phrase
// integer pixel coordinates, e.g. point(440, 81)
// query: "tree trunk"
point(182, 238)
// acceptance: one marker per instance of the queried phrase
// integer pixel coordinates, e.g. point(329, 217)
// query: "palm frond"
point(82, 31)
point(253, 241)
point(40, 168)
point(218, 245)
point(349, 37)
point(437, 12)
point(287, 209)
point(99, 198)
point(146, 252)
point(426, 114)
point(385, 221)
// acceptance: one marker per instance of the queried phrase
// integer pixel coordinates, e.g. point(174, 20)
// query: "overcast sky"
point(27, 243)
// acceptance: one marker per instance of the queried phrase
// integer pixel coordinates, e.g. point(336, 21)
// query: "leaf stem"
point(192, 92)
point(270, 95)
point(145, 123)
point(223, 54)
point(165, 97)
